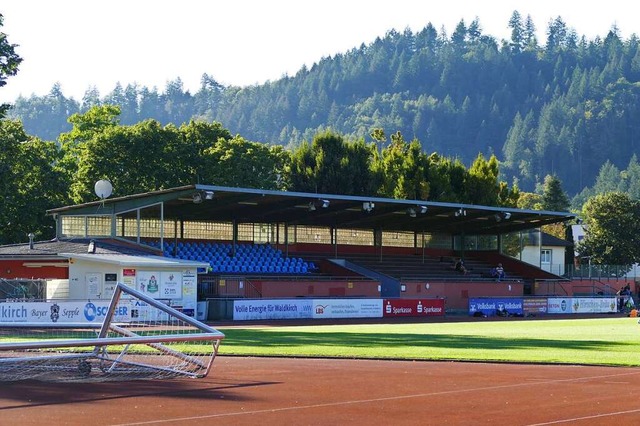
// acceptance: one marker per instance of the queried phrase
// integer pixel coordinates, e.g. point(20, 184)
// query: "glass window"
point(545, 256)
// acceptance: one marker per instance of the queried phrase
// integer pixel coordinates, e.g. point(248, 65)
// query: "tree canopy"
point(564, 108)
point(9, 62)
point(613, 229)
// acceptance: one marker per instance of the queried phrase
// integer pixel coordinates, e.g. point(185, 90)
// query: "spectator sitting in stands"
point(498, 272)
point(459, 266)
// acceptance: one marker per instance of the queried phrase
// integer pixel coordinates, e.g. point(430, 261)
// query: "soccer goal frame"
point(163, 343)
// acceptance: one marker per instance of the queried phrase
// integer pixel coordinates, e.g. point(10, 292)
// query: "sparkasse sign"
point(413, 307)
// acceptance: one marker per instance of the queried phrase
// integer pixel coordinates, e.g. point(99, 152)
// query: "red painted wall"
point(457, 294)
point(280, 289)
point(17, 269)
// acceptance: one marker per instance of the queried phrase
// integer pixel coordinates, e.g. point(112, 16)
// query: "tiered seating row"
point(249, 258)
point(421, 268)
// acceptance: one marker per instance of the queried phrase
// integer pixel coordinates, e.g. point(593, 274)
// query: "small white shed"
point(94, 277)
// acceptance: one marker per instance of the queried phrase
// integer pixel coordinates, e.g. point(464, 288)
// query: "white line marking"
point(595, 416)
point(396, 398)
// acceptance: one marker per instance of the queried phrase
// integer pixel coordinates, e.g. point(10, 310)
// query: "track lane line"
point(400, 397)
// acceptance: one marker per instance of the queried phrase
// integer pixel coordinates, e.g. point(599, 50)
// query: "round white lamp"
point(103, 188)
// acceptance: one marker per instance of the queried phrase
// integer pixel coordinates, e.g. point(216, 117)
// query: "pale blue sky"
point(98, 43)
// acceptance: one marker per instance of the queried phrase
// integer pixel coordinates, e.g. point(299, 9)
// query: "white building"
point(548, 254)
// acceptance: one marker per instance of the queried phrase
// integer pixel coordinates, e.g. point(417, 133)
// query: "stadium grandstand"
point(252, 243)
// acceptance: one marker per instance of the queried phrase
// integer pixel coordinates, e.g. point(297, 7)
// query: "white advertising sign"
point(94, 285)
point(593, 305)
point(62, 312)
point(272, 309)
point(189, 290)
point(189, 282)
point(170, 285)
point(141, 311)
point(149, 283)
point(560, 305)
point(347, 308)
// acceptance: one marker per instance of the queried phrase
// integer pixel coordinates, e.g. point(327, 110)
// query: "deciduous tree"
point(612, 223)
point(9, 62)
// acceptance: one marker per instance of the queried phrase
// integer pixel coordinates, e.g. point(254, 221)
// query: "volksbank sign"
point(491, 306)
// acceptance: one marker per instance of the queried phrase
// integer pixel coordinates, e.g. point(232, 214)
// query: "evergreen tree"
point(553, 197)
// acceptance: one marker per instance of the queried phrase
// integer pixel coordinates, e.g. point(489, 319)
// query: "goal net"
point(137, 337)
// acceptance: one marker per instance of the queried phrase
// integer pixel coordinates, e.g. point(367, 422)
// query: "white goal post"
point(155, 341)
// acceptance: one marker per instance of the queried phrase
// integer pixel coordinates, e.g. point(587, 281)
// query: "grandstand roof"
point(245, 205)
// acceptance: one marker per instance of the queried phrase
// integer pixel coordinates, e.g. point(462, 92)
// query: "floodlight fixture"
point(325, 203)
point(196, 197)
point(423, 209)
point(460, 212)
point(312, 206)
point(367, 206)
point(208, 195)
point(411, 212)
point(506, 215)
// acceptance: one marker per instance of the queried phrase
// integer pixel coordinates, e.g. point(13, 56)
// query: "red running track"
point(283, 391)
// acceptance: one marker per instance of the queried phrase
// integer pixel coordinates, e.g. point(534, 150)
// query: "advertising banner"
point(62, 312)
point(560, 305)
point(170, 285)
point(532, 306)
point(413, 307)
point(129, 277)
point(272, 309)
point(491, 306)
point(347, 308)
point(594, 305)
point(94, 285)
point(142, 311)
point(149, 283)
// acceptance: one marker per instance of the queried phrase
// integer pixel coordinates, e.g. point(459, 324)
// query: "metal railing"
point(594, 271)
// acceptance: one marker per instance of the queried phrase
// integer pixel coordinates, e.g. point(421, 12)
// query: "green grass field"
point(600, 341)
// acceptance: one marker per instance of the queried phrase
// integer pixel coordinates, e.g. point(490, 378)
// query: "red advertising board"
point(413, 307)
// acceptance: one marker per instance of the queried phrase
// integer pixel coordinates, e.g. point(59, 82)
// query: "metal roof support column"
point(58, 221)
point(377, 240)
point(162, 225)
point(235, 238)
point(137, 226)
point(286, 239)
point(334, 241)
point(175, 238)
